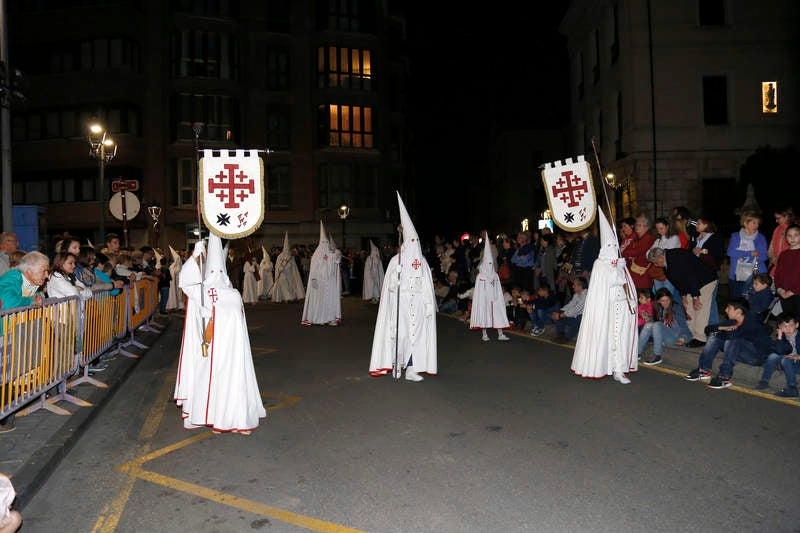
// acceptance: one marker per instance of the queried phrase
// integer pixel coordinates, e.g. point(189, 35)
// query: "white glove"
point(199, 248)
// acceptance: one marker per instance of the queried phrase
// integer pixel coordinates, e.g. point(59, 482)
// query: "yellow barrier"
point(45, 345)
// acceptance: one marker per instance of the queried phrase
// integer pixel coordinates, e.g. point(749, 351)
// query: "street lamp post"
point(103, 148)
point(344, 212)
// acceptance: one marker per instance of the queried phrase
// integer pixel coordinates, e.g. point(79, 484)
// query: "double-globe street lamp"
point(344, 212)
point(102, 148)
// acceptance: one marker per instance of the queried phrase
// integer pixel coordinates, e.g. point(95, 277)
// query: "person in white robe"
point(323, 304)
point(488, 303)
point(249, 282)
point(224, 393)
point(191, 279)
point(288, 285)
point(405, 329)
point(265, 269)
point(175, 297)
point(373, 275)
point(607, 342)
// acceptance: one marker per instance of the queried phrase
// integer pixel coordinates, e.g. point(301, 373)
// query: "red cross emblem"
point(570, 188)
point(212, 293)
point(230, 190)
point(416, 264)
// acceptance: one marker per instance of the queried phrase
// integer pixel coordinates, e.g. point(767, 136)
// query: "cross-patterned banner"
point(231, 192)
point(570, 193)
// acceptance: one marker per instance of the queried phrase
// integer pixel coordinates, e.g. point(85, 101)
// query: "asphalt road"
point(503, 439)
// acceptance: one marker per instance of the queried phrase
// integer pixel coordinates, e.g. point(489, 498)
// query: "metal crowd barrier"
point(44, 346)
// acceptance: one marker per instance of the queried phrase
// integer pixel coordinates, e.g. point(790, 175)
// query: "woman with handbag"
point(747, 251)
point(635, 253)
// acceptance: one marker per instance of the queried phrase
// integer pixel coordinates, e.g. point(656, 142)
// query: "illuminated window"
point(346, 126)
point(347, 68)
point(769, 96)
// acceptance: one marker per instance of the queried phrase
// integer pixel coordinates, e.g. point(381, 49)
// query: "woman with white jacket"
point(63, 282)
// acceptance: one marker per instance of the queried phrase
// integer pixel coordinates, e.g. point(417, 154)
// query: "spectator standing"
point(635, 253)
point(787, 273)
point(584, 254)
point(522, 262)
point(19, 287)
point(666, 239)
point(709, 247)
point(695, 283)
point(748, 254)
point(784, 217)
point(546, 265)
point(8, 245)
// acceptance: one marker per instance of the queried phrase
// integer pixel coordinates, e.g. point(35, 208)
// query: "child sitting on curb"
point(784, 353)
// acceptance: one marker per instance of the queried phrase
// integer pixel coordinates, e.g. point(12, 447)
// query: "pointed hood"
point(609, 246)
point(215, 271)
point(266, 260)
point(285, 249)
point(175, 256)
point(411, 259)
point(487, 261)
point(409, 232)
point(158, 258)
point(323, 235)
point(374, 250)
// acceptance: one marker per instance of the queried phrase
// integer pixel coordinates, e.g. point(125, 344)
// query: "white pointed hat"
point(285, 242)
point(215, 271)
point(174, 254)
point(373, 250)
point(158, 257)
point(609, 246)
point(487, 261)
point(409, 232)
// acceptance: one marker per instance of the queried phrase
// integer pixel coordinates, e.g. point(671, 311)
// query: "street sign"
point(124, 185)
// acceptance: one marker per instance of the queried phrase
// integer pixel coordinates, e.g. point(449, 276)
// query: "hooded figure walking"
point(323, 303)
point(373, 275)
point(224, 394)
point(607, 342)
point(288, 285)
point(405, 330)
point(488, 305)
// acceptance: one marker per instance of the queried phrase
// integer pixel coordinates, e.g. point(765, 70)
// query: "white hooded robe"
point(413, 330)
point(373, 274)
point(288, 285)
point(265, 271)
point(608, 338)
point(323, 303)
point(175, 298)
point(488, 304)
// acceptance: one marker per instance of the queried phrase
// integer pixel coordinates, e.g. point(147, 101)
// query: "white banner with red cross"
point(570, 193)
point(231, 192)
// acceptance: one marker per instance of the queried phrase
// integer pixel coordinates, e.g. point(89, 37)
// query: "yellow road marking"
point(109, 517)
point(108, 520)
point(241, 503)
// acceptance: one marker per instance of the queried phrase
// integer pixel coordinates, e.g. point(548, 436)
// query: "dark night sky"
point(470, 69)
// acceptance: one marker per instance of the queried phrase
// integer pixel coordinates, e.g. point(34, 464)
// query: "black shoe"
point(788, 392)
point(655, 360)
point(719, 382)
point(694, 343)
point(698, 375)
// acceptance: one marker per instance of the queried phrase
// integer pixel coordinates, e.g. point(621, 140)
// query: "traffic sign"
point(124, 185)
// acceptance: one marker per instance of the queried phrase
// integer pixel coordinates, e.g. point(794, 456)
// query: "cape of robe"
point(249, 283)
point(288, 285)
point(608, 338)
point(417, 326)
point(323, 296)
point(191, 345)
point(488, 305)
point(373, 277)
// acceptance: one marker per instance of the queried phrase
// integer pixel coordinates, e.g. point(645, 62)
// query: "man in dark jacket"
point(695, 281)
